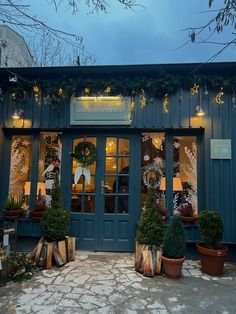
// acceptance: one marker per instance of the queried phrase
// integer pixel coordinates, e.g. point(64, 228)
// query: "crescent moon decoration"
point(165, 103)
point(219, 96)
point(194, 89)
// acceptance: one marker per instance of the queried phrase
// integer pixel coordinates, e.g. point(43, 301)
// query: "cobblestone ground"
point(107, 283)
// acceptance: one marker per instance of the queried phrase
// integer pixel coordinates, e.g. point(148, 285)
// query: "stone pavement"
point(107, 283)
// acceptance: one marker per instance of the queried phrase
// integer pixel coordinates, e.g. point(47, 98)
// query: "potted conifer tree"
point(212, 253)
point(174, 247)
point(149, 237)
point(55, 224)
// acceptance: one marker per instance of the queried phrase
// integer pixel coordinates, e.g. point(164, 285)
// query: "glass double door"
point(102, 216)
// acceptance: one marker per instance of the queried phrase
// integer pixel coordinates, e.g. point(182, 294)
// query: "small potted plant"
point(212, 253)
point(174, 247)
point(187, 214)
point(12, 207)
point(40, 206)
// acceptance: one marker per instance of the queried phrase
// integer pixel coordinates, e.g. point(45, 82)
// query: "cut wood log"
point(158, 262)
point(138, 257)
point(62, 250)
point(56, 255)
point(70, 244)
point(148, 269)
point(38, 250)
point(48, 263)
point(42, 257)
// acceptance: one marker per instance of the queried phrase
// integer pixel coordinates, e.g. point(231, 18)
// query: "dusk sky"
point(146, 35)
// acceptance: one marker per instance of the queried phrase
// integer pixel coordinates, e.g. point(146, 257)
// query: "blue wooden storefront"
point(101, 231)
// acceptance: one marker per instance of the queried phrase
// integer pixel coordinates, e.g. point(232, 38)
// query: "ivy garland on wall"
point(55, 91)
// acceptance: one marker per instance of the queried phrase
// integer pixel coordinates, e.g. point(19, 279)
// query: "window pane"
point(49, 159)
point(123, 202)
point(111, 146)
point(185, 175)
point(123, 165)
point(110, 184)
point(89, 203)
point(153, 166)
point(110, 204)
point(89, 187)
point(123, 184)
point(20, 168)
point(123, 148)
point(110, 165)
point(76, 203)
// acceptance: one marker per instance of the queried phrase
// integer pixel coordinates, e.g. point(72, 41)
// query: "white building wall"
point(13, 49)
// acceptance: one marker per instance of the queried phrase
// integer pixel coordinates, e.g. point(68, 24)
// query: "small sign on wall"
point(220, 149)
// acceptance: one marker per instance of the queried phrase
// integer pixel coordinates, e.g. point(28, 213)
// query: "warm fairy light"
point(132, 105)
point(108, 90)
point(219, 96)
point(165, 103)
point(86, 90)
point(194, 89)
point(36, 91)
point(60, 91)
point(142, 99)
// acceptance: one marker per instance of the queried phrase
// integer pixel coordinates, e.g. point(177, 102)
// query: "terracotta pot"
point(189, 219)
point(36, 214)
point(212, 261)
point(172, 267)
point(12, 213)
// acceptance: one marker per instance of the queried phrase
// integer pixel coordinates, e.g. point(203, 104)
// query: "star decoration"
point(194, 89)
point(60, 91)
point(108, 90)
point(86, 90)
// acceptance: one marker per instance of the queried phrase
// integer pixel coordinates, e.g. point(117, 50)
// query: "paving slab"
point(107, 283)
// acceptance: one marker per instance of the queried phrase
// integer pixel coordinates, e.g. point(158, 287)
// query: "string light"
point(218, 98)
point(165, 103)
point(194, 89)
point(108, 90)
point(142, 99)
point(36, 91)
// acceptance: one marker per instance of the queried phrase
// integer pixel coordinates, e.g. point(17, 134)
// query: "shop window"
point(153, 167)
point(185, 198)
point(20, 166)
point(50, 150)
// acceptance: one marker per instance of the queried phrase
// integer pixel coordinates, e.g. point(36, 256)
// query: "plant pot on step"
point(12, 213)
point(212, 260)
point(172, 266)
point(37, 215)
point(212, 253)
point(174, 247)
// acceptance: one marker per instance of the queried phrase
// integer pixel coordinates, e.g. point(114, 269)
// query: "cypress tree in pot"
point(212, 253)
point(174, 246)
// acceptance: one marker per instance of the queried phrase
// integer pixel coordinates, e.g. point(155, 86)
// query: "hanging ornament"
point(194, 89)
point(142, 99)
point(60, 91)
point(218, 98)
point(86, 91)
point(132, 104)
point(165, 103)
point(36, 91)
point(146, 158)
point(108, 90)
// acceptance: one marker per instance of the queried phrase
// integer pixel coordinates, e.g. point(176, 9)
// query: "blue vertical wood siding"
point(218, 177)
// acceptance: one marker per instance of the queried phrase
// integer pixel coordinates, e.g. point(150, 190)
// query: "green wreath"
point(85, 153)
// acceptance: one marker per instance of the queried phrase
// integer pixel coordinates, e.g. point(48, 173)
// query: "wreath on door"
point(85, 153)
